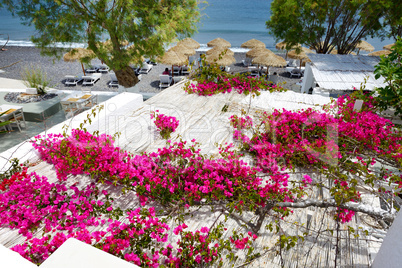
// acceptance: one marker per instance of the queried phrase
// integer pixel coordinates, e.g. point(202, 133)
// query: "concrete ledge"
point(77, 254)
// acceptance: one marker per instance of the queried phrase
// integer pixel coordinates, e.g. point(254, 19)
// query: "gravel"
point(19, 58)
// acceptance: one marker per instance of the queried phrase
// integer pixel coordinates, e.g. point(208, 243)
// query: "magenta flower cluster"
point(240, 84)
point(166, 125)
point(63, 212)
point(285, 140)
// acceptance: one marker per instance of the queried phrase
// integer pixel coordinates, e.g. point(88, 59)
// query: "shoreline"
point(57, 69)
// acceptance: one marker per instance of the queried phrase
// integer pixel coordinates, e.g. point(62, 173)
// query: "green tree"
point(390, 68)
point(147, 24)
point(325, 24)
point(392, 22)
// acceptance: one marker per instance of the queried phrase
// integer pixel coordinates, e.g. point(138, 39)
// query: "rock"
point(22, 97)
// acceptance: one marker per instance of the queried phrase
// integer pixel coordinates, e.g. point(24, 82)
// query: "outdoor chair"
point(17, 119)
point(90, 80)
point(184, 70)
point(176, 70)
point(4, 127)
point(70, 109)
point(165, 81)
point(91, 101)
point(146, 68)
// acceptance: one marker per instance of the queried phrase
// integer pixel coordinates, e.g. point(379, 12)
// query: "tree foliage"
point(392, 22)
point(322, 24)
point(147, 24)
point(390, 68)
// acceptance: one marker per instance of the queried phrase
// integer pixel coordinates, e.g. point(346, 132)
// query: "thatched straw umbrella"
point(224, 60)
point(270, 60)
point(380, 53)
point(173, 58)
point(388, 47)
point(182, 49)
point(108, 44)
point(189, 42)
point(255, 52)
point(300, 54)
point(253, 43)
point(364, 45)
point(219, 50)
point(283, 46)
point(219, 42)
point(79, 54)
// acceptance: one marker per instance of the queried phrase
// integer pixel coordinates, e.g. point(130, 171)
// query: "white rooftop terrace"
point(204, 119)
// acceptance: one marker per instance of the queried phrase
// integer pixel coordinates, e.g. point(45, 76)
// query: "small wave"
point(203, 47)
point(17, 43)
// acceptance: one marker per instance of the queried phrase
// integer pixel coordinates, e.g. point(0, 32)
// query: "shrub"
point(35, 78)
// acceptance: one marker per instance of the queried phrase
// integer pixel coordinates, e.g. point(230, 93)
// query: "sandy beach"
point(56, 70)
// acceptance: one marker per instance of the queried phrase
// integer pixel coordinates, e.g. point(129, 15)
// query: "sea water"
point(233, 20)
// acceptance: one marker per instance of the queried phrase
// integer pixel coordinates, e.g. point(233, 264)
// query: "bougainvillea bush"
point(177, 180)
point(211, 80)
point(166, 125)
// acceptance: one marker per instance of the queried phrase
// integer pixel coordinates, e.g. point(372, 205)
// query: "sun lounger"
point(103, 69)
point(71, 80)
point(176, 70)
point(246, 62)
point(90, 80)
point(165, 81)
point(146, 68)
point(151, 62)
point(91, 69)
point(113, 80)
point(184, 70)
point(296, 73)
point(254, 71)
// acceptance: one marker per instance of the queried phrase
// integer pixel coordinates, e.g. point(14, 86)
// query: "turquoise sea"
point(234, 20)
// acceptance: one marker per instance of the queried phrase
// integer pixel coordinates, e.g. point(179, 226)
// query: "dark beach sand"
point(57, 69)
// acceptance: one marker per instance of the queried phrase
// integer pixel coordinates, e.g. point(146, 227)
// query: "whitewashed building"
point(329, 74)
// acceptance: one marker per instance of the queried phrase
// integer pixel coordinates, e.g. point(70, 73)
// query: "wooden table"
point(76, 101)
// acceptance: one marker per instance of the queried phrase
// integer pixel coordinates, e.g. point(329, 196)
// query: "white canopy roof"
point(343, 72)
